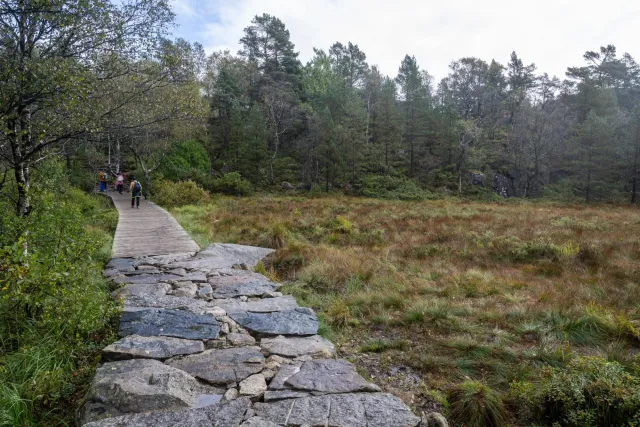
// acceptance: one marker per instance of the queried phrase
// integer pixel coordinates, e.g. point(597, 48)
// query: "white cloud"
point(552, 33)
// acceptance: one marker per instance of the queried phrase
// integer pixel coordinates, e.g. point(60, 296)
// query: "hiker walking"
point(119, 182)
point(102, 178)
point(135, 188)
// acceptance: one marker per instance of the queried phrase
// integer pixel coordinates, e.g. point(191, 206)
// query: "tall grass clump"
point(55, 307)
point(474, 404)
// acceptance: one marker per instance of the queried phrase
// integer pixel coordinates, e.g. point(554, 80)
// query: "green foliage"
point(474, 404)
point(187, 160)
point(54, 304)
point(589, 392)
point(175, 194)
point(390, 187)
point(232, 184)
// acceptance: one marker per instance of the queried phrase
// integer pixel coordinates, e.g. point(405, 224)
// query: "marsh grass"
point(480, 294)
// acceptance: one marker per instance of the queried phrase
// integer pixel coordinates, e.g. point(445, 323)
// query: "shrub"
point(389, 187)
point(232, 184)
point(589, 392)
point(474, 404)
point(187, 160)
point(175, 194)
point(55, 306)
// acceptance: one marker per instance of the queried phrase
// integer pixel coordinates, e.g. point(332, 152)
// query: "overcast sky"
point(552, 33)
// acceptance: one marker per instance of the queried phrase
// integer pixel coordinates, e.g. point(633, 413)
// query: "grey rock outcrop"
point(138, 385)
point(299, 321)
point(224, 414)
point(156, 347)
point(339, 410)
point(169, 323)
point(314, 345)
point(222, 366)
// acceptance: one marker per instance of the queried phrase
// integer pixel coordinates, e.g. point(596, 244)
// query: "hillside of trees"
point(336, 122)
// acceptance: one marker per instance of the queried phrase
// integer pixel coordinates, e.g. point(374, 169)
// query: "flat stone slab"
point(223, 414)
point(272, 396)
point(264, 305)
point(339, 410)
point(321, 376)
point(258, 422)
point(169, 323)
point(121, 264)
point(222, 366)
point(329, 376)
point(314, 345)
point(158, 278)
point(242, 283)
point(299, 321)
point(224, 255)
point(154, 295)
point(138, 385)
point(158, 347)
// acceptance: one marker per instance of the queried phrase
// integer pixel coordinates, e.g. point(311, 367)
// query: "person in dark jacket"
point(135, 188)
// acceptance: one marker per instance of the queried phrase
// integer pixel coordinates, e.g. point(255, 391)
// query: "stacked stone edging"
point(206, 342)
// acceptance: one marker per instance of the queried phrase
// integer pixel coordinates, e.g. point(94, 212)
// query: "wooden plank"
point(148, 230)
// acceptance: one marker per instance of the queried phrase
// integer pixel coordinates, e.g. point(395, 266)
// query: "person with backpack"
point(102, 178)
point(135, 188)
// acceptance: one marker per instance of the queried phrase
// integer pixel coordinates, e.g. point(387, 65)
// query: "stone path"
point(149, 230)
point(207, 342)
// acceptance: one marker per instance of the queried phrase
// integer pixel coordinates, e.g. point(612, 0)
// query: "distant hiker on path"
point(119, 182)
point(135, 188)
point(102, 177)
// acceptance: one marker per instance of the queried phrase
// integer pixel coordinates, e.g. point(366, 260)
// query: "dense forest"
point(337, 122)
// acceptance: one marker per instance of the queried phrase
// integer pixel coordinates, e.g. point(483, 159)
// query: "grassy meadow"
point(443, 302)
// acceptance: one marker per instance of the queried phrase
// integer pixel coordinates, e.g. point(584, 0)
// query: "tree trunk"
point(23, 203)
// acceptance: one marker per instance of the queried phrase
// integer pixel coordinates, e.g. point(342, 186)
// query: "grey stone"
point(237, 339)
point(224, 255)
point(272, 396)
point(122, 264)
point(169, 323)
point(314, 345)
point(139, 271)
point(184, 289)
point(146, 278)
point(205, 292)
point(147, 267)
point(300, 321)
point(339, 410)
point(329, 376)
point(223, 414)
point(241, 283)
point(157, 347)
point(232, 394)
point(178, 271)
point(434, 419)
point(257, 422)
point(264, 305)
point(110, 272)
point(154, 295)
point(137, 385)
point(222, 366)
point(253, 386)
point(283, 374)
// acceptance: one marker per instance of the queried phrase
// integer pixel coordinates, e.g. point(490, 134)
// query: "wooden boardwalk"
point(149, 230)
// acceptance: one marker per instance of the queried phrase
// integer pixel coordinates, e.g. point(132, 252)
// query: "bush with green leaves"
point(232, 184)
point(187, 160)
point(391, 187)
point(55, 307)
point(588, 392)
point(174, 194)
